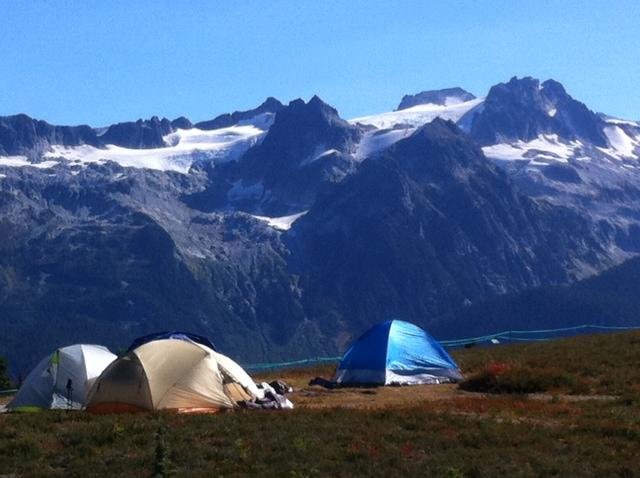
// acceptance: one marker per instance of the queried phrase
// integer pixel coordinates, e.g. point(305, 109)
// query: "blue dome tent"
point(396, 353)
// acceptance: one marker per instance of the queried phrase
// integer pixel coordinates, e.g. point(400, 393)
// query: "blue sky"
point(99, 62)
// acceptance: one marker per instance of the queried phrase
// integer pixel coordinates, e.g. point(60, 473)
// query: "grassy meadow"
point(581, 419)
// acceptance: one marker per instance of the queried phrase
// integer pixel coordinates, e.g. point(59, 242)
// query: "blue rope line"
point(529, 339)
point(454, 343)
point(266, 366)
point(539, 331)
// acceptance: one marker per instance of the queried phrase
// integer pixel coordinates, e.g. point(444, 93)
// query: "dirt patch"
point(367, 398)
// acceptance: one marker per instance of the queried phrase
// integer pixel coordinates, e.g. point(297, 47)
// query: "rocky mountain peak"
point(141, 134)
point(182, 123)
point(442, 97)
point(439, 147)
point(304, 126)
point(22, 135)
point(523, 109)
point(270, 105)
point(554, 90)
point(306, 147)
point(313, 113)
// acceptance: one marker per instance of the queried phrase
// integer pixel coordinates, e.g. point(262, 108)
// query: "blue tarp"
point(396, 352)
point(199, 339)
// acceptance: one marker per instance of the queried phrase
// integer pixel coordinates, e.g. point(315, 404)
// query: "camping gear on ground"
point(172, 374)
point(63, 379)
point(280, 387)
point(273, 397)
point(396, 353)
point(175, 334)
point(322, 382)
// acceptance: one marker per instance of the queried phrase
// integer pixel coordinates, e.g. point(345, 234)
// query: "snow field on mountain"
point(184, 148)
point(622, 145)
point(378, 140)
point(282, 223)
point(22, 161)
point(547, 147)
point(419, 115)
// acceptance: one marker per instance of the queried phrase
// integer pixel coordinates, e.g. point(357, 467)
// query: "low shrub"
point(519, 379)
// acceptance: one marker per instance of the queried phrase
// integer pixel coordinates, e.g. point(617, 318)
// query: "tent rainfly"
point(63, 379)
point(171, 334)
point(171, 374)
point(396, 353)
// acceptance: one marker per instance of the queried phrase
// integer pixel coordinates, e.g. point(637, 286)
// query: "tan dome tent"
point(62, 379)
point(171, 374)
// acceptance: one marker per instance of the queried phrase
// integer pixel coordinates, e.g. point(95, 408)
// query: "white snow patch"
point(622, 145)
point(282, 223)
point(2, 176)
point(157, 158)
point(420, 114)
point(453, 100)
point(22, 161)
point(184, 148)
point(556, 149)
point(552, 112)
point(377, 140)
point(396, 125)
point(262, 121)
point(326, 153)
point(319, 154)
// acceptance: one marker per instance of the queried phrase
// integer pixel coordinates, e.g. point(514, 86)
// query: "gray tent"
point(63, 379)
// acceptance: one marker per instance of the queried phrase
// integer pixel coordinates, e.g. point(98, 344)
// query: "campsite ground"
point(584, 421)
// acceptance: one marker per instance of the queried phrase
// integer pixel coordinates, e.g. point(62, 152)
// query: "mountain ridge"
point(285, 230)
point(438, 97)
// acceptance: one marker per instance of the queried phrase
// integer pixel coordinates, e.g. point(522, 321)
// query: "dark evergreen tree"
point(5, 381)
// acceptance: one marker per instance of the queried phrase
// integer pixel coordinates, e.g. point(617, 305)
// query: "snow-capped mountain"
point(388, 128)
point(148, 144)
point(283, 230)
point(447, 96)
point(551, 145)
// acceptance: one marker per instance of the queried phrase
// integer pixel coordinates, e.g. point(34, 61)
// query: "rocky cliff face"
point(138, 135)
point(104, 257)
point(20, 134)
point(523, 109)
point(307, 147)
point(427, 228)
